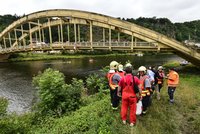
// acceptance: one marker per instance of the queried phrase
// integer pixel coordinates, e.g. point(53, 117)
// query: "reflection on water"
point(15, 78)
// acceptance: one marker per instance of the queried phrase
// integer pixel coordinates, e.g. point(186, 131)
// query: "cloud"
point(175, 10)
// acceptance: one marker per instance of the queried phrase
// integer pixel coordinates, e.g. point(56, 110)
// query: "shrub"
point(55, 96)
point(96, 83)
point(3, 106)
point(15, 124)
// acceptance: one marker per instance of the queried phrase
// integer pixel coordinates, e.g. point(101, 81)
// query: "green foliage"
point(3, 106)
point(16, 124)
point(94, 118)
point(55, 96)
point(96, 83)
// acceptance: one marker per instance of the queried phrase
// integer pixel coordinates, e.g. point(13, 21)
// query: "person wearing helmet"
point(160, 75)
point(129, 98)
point(113, 79)
point(120, 70)
point(145, 86)
point(151, 75)
point(172, 82)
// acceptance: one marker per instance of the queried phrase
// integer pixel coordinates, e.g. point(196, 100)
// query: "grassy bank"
point(46, 56)
point(162, 118)
point(96, 115)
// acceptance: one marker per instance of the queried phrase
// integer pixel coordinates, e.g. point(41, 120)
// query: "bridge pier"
point(4, 57)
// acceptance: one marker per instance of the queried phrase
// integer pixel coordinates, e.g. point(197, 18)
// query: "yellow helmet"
point(142, 69)
point(120, 67)
point(113, 65)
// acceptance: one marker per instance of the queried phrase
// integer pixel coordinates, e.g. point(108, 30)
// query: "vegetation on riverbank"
point(45, 56)
point(95, 114)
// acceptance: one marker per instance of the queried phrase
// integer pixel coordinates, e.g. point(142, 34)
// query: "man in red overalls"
point(129, 98)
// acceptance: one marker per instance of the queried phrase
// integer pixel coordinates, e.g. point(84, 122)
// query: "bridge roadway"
point(118, 46)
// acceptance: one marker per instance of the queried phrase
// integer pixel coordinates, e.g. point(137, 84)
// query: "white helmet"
point(120, 67)
point(113, 65)
point(160, 68)
point(128, 65)
point(142, 69)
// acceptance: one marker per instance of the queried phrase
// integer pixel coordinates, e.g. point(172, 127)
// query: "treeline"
point(178, 31)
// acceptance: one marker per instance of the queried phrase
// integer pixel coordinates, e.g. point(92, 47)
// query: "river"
point(16, 77)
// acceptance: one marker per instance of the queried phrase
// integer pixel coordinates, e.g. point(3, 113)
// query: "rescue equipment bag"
point(139, 108)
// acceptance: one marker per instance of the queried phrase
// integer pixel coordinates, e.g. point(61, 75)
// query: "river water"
point(16, 77)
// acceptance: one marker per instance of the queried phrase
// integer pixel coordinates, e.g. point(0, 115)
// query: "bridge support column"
point(91, 38)
point(75, 38)
point(43, 35)
point(104, 37)
point(16, 40)
point(36, 37)
point(40, 38)
point(68, 36)
point(135, 43)
point(79, 36)
point(132, 42)
point(24, 42)
point(110, 38)
point(61, 31)
point(30, 36)
point(59, 34)
point(118, 38)
point(50, 35)
point(4, 42)
point(9, 39)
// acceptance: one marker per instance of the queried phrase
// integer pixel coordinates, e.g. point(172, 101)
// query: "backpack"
point(135, 87)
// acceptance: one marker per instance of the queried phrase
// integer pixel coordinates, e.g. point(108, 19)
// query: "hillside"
point(179, 31)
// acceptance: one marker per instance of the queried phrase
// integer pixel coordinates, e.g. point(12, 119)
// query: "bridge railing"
point(36, 46)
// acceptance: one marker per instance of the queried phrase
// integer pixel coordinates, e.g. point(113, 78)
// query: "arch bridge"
point(62, 29)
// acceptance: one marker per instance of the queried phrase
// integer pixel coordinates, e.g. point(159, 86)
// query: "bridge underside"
point(71, 29)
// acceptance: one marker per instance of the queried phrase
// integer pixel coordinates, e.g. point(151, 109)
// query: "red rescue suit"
point(129, 99)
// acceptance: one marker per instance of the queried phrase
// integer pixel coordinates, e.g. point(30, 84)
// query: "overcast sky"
point(175, 10)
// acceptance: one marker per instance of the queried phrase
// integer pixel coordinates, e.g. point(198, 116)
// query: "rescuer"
point(145, 86)
point(129, 98)
point(173, 81)
point(113, 79)
point(160, 75)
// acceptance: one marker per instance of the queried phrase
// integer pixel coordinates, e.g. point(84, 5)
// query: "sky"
point(175, 10)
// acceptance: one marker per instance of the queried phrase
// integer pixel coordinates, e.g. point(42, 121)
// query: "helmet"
point(160, 68)
point(128, 68)
point(128, 65)
point(142, 69)
point(120, 67)
point(113, 65)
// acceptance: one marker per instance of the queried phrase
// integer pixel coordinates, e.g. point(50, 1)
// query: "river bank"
point(47, 56)
point(32, 56)
point(96, 115)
